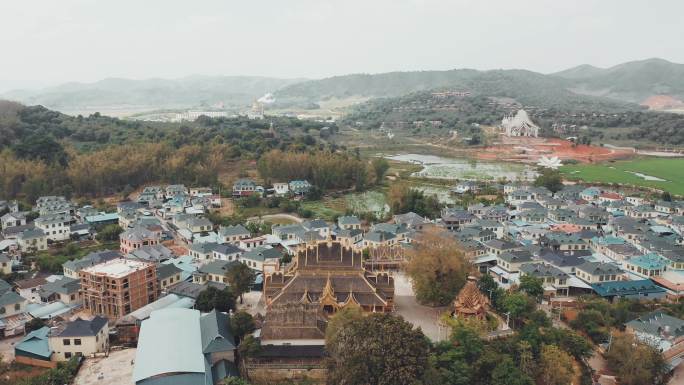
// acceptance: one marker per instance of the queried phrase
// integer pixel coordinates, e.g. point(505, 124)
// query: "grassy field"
point(671, 170)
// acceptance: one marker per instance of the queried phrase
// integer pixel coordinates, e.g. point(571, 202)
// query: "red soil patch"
point(529, 150)
point(662, 102)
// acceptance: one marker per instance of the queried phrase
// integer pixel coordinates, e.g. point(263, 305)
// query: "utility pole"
point(610, 341)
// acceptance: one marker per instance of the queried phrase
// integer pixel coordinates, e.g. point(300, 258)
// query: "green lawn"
point(671, 170)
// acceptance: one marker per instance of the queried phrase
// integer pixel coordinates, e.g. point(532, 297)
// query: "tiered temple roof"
point(470, 301)
point(332, 276)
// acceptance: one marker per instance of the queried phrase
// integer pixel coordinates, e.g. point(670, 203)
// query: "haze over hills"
point(186, 92)
point(633, 81)
point(618, 87)
point(526, 87)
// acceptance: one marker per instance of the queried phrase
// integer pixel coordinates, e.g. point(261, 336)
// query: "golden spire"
point(328, 290)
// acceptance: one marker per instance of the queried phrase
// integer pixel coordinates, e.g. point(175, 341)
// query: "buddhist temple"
point(471, 302)
point(331, 276)
point(519, 125)
point(292, 345)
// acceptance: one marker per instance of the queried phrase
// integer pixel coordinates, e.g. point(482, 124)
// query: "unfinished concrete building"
point(118, 287)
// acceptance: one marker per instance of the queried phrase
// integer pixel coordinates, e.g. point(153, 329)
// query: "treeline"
point(47, 152)
point(111, 170)
point(324, 169)
point(454, 112)
point(660, 127)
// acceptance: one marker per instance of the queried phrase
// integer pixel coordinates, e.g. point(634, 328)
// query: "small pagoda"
point(471, 302)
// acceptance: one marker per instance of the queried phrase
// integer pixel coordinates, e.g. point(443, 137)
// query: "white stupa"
point(519, 125)
point(552, 162)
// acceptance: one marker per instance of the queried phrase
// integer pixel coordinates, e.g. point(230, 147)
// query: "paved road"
point(290, 217)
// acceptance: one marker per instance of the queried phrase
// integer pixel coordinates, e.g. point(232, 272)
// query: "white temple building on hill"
point(519, 125)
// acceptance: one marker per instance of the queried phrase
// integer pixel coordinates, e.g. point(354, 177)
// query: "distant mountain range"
point(634, 81)
point(186, 92)
point(655, 82)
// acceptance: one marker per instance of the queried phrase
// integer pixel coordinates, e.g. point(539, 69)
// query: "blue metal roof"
point(35, 344)
point(622, 288)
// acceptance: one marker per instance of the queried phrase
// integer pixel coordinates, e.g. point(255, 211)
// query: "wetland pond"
point(440, 167)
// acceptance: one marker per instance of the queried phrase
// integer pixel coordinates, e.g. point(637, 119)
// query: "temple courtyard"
point(424, 317)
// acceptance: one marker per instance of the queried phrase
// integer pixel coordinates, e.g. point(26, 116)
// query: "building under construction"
point(118, 287)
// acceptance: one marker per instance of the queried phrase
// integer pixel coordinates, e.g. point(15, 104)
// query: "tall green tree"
point(212, 298)
point(437, 267)
point(532, 286)
point(636, 362)
point(379, 349)
point(240, 277)
point(555, 366)
point(551, 179)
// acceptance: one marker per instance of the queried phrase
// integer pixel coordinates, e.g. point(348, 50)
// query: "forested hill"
point(186, 92)
point(526, 87)
point(45, 152)
point(633, 81)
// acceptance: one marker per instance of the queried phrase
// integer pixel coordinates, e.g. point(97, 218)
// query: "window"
point(66, 342)
point(77, 341)
point(17, 306)
point(67, 355)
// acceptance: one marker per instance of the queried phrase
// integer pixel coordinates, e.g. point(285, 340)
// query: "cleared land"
point(671, 171)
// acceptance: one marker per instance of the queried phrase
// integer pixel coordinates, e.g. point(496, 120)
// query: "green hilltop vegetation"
point(526, 87)
point(633, 81)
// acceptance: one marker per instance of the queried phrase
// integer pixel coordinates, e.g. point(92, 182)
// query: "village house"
point(214, 271)
point(52, 205)
point(593, 272)
point(563, 241)
point(260, 256)
point(648, 265)
point(5, 264)
point(244, 187)
point(34, 349)
point(168, 274)
point(202, 251)
point(349, 222)
point(299, 187)
point(198, 225)
point(79, 338)
point(658, 329)
point(200, 191)
point(452, 218)
point(138, 237)
point(55, 226)
point(233, 234)
point(281, 189)
point(644, 289)
point(251, 243)
point(30, 288)
point(641, 212)
point(411, 221)
point(226, 252)
point(555, 281)
point(13, 219)
point(11, 304)
point(32, 240)
point(349, 238)
point(65, 290)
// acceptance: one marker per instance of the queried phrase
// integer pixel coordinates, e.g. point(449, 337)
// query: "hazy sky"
point(53, 41)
